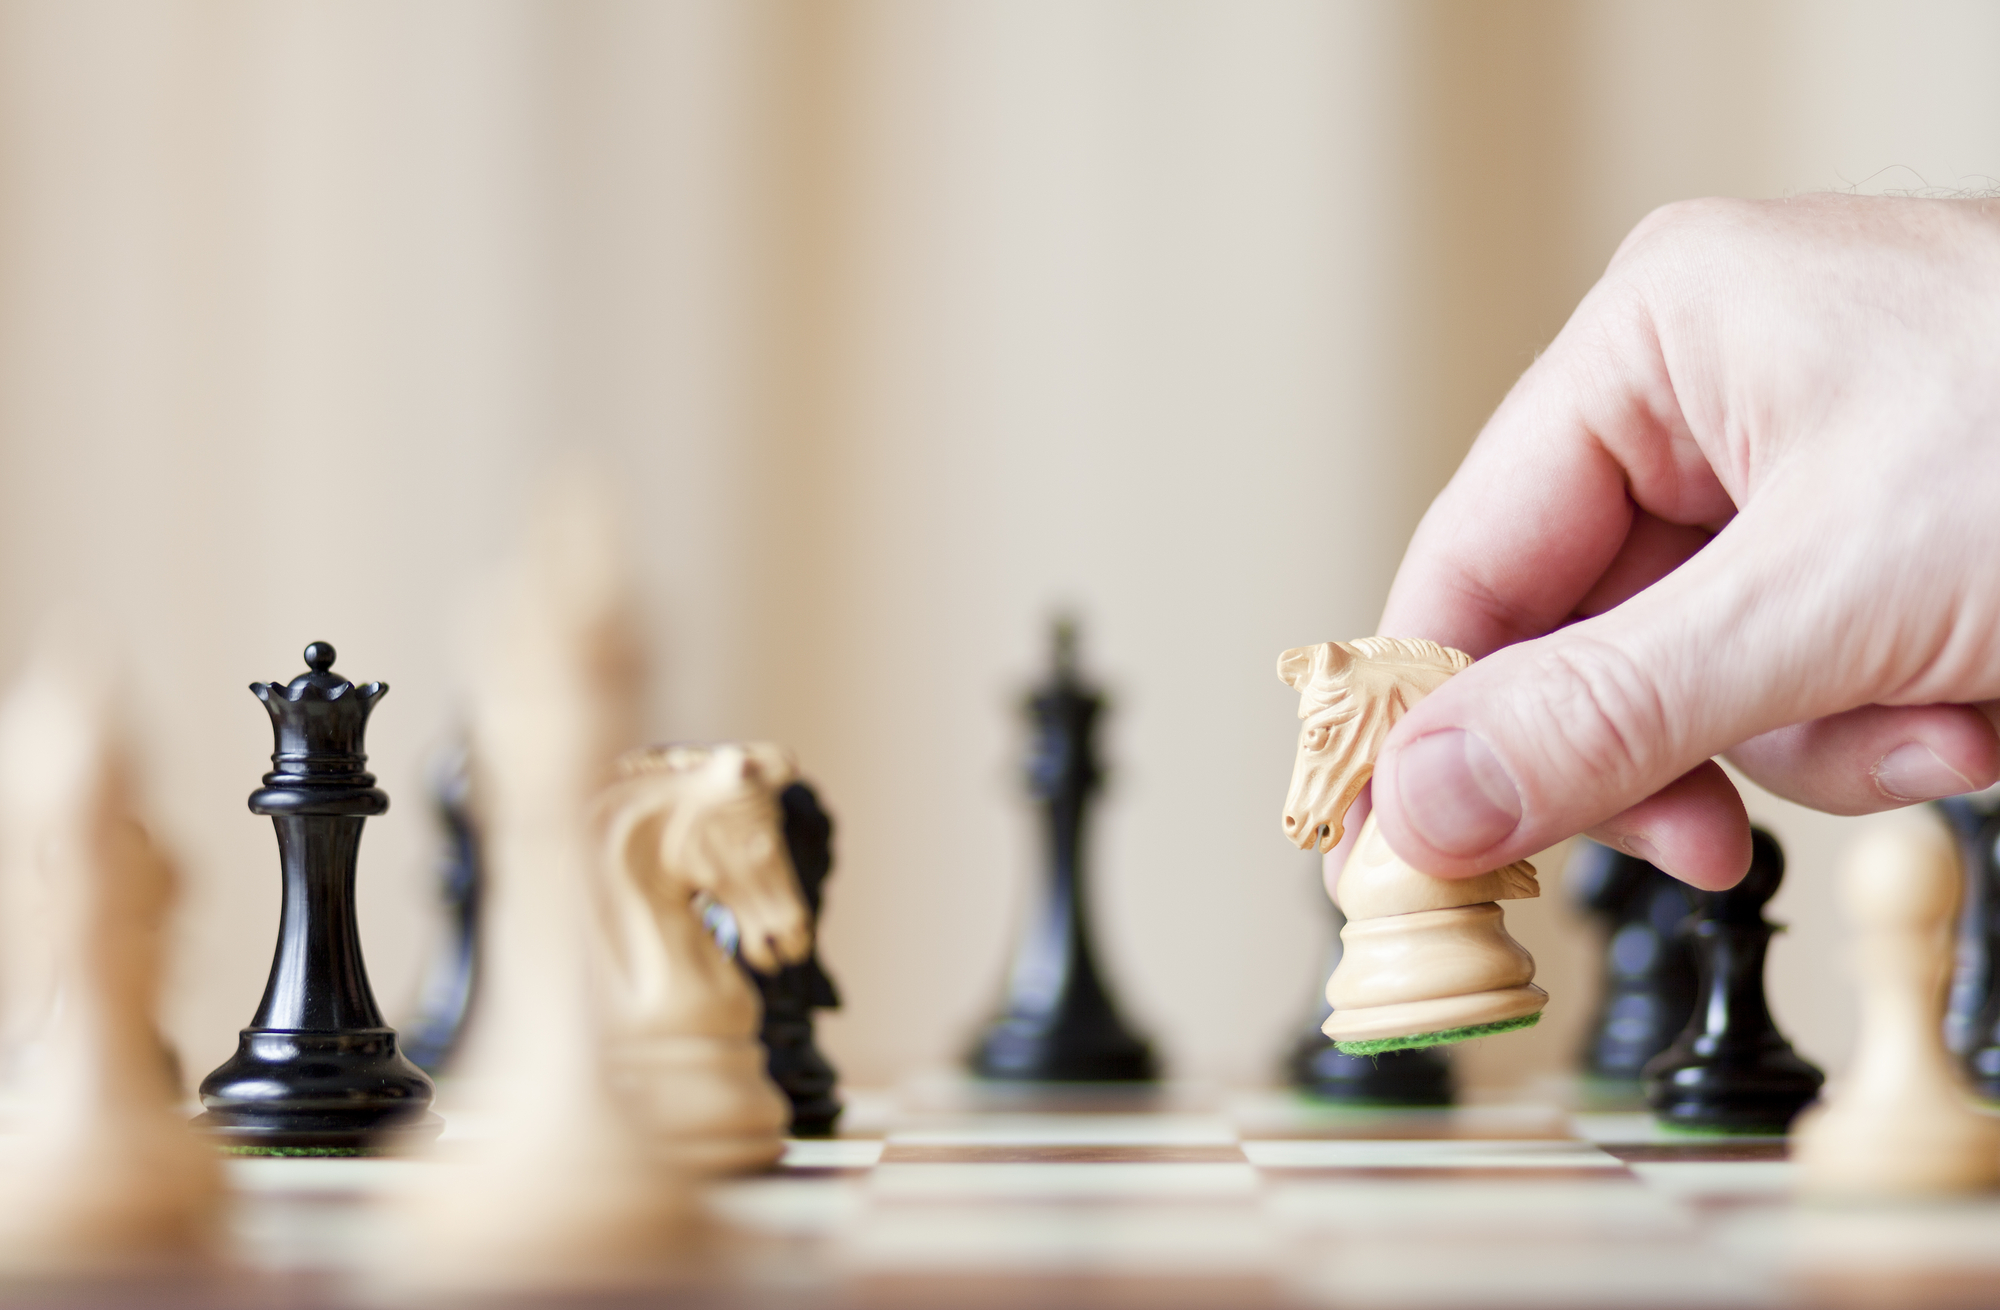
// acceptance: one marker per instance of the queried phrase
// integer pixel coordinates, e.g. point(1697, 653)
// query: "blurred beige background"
point(899, 325)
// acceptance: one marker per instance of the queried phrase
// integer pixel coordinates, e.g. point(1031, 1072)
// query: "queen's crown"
point(319, 720)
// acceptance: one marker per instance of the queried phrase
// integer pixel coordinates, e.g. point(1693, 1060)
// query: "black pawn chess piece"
point(317, 1071)
point(1060, 1024)
point(1972, 1020)
point(1416, 1077)
point(791, 995)
point(1731, 1070)
point(1649, 979)
point(444, 998)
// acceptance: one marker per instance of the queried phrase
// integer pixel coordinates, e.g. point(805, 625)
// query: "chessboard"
point(959, 1195)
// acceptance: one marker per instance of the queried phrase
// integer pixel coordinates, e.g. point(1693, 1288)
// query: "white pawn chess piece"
point(105, 1176)
point(1900, 1121)
point(558, 1193)
point(682, 1046)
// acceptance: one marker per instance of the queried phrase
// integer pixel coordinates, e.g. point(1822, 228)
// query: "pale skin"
point(1746, 505)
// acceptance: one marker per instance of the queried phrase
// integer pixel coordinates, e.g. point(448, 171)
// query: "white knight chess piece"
point(682, 1049)
point(1423, 960)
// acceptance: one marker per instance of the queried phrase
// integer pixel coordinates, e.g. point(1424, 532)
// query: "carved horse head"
point(720, 831)
point(1350, 694)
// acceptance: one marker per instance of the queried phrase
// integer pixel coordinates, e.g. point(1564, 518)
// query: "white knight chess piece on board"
point(1424, 960)
point(105, 1175)
point(1900, 1122)
point(682, 1046)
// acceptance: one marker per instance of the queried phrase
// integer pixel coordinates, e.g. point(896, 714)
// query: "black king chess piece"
point(1731, 1070)
point(1649, 974)
point(317, 1071)
point(1416, 1077)
point(1060, 1024)
point(791, 994)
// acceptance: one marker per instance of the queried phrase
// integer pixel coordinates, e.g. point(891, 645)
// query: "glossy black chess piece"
point(1731, 1070)
point(1972, 1018)
point(444, 998)
point(1060, 1024)
point(1416, 1077)
point(1649, 980)
point(793, 1058)
point(318, 1070)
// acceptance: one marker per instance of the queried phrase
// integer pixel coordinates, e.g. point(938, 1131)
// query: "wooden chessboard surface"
point(956, 1197)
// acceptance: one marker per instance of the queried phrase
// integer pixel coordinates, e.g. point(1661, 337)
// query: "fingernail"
point(1913, 772)
point(1643, 849)
point(1454, 792)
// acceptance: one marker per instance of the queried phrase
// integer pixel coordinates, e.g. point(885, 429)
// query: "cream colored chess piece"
point(558, 1190)
point(682, 1043)
point(1900, 1122)
point(1420, 956)
point(106, 1176)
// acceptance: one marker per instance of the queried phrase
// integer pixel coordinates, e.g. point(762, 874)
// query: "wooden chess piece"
point(104, 1177)
point(1900, 1122)
point(794, 991)
point(1424, 961)
point(1972, 1013)
point(1731, 1070)
point(318, 1070)
point(450, 980)
point(561, 1192)
point(1649, 980)
point(681, 1050)
point(1418, 1076)
point(1060, 1023)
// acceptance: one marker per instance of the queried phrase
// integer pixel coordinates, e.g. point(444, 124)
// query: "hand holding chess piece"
point(681, 1037)
point(106, 1177)
point(1424, 961)
point(1900, 1122)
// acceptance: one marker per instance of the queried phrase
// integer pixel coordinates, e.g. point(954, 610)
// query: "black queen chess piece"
point(317, 1071)
point(1731, 1070)
point(1060, 1024)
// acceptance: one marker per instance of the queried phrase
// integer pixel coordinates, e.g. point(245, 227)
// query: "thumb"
point(1548, 738)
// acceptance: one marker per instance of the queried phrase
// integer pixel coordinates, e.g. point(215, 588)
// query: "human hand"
point(1748, 502)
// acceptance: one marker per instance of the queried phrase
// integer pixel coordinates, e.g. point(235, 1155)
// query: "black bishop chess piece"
point(445, 996)
point(1731, 1070)
point(1649, 981)
point(1972, 1018)
point(793, 1058)
point(1060, 1024)
point(1419, 1076)
point(318, 1071)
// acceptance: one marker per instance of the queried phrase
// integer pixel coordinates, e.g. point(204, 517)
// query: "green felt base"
point(1383, 1045)
point(293, 1150)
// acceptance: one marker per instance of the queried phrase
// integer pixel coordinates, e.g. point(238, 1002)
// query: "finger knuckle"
point(1606, 710)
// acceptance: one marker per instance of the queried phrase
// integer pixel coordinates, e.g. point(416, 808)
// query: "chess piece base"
point(1399, 1078)
point(286, 1090)
point(1020, 1048)
point(704, 1103)
point(1757, 1091)
point(1373, 1023)
point(1840, 1153)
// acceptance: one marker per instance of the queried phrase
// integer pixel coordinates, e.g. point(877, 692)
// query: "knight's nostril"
point(1291, 821)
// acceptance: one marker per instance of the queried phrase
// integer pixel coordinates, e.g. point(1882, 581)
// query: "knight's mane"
point(1334, 696)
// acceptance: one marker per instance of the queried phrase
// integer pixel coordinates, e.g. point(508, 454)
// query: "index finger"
point(1590, 444)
